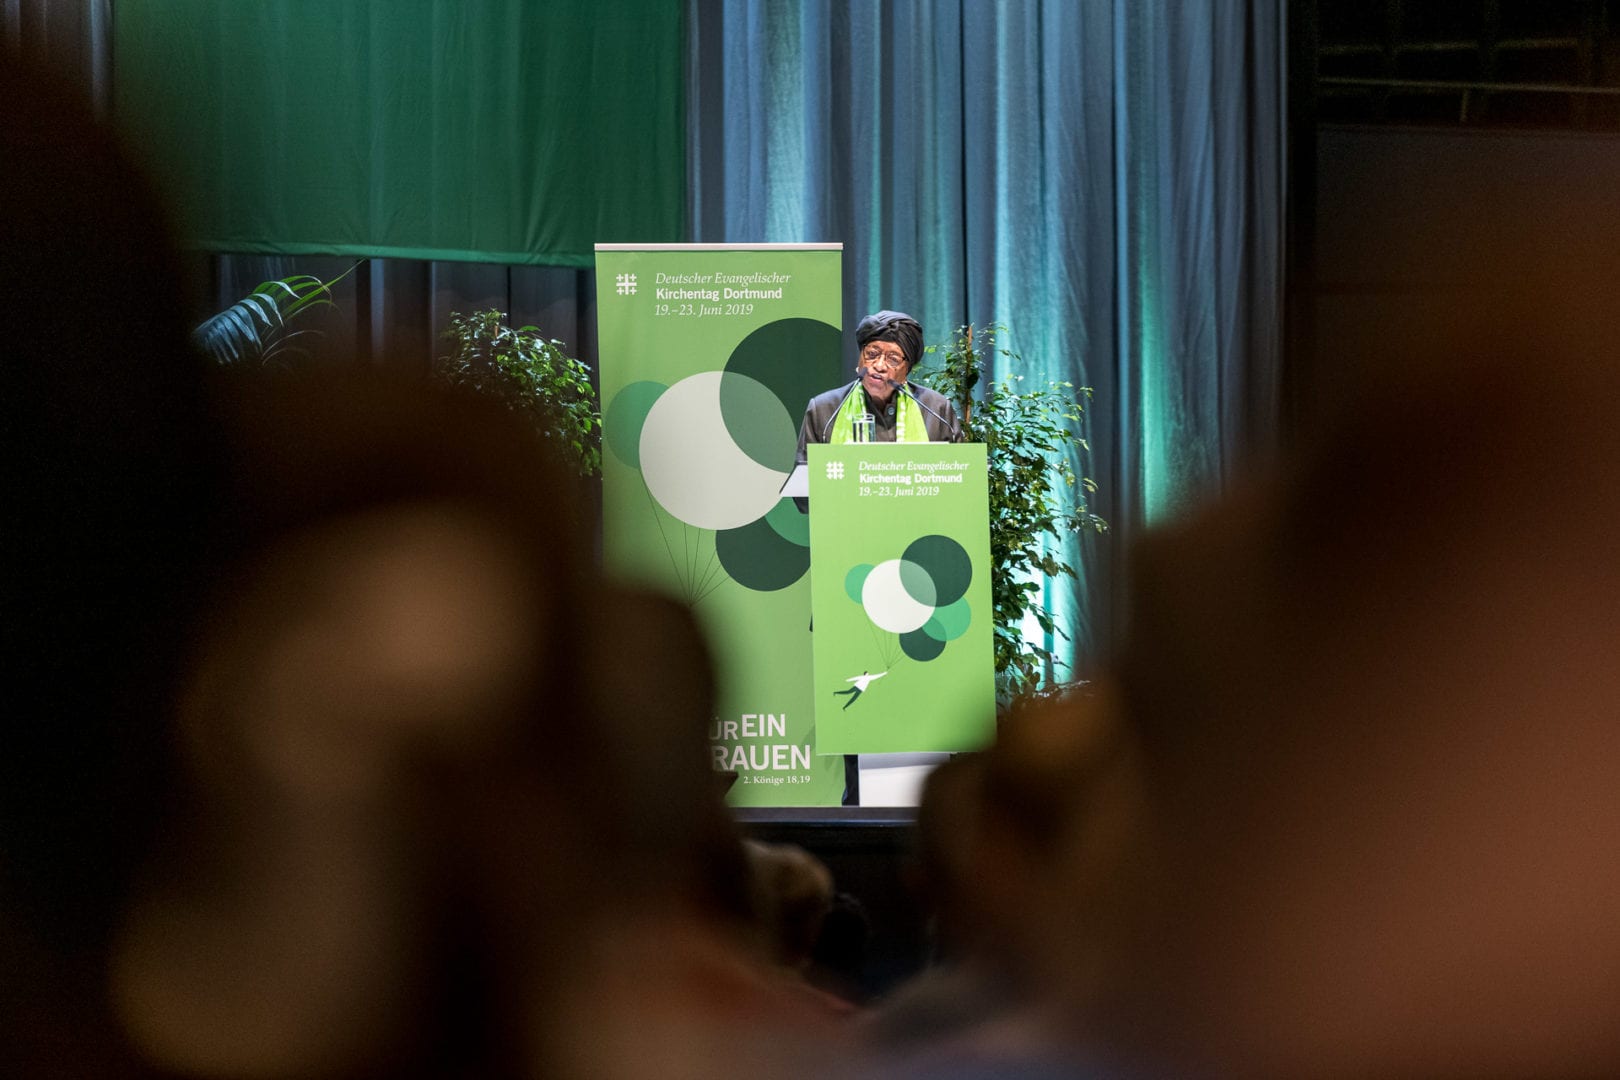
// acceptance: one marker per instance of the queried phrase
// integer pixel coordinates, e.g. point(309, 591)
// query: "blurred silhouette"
point(838, 960)
point(793, 892)
point(110, 464)
point(1379, 713)
point(1348, 806)
point(1019, 847)
point(384, 728)
point(330, 753)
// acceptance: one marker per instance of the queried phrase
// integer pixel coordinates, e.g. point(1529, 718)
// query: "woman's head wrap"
point(895, 326)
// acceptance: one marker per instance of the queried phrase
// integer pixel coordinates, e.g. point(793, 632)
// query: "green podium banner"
point(708, 356)
point(900, 587)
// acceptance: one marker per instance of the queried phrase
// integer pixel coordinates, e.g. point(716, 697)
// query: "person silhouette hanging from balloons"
point(861, 681)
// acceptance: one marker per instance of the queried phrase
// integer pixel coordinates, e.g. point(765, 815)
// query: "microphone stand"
point(900, 386)
point(860, 373)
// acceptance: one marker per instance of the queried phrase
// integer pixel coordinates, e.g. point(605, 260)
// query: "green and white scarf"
point(908, 419)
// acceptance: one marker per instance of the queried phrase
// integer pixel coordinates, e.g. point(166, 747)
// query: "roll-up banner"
point(901, 591)
point(708, 355)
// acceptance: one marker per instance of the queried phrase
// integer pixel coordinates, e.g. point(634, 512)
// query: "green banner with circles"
point(900, 587)
point(709, 354)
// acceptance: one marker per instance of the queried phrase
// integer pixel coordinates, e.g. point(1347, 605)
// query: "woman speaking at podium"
point(879, 406)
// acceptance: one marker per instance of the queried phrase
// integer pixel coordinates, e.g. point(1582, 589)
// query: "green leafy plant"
point(258, 327)
point(533, 376)
point(1033, 440)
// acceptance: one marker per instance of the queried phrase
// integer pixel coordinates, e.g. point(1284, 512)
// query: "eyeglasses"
point(891, 358)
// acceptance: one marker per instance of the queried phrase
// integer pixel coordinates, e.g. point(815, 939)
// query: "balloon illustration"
point(916, 603)
point(714, 449)
point(693, 466)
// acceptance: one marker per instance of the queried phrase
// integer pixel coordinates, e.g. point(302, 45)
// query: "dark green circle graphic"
point(757, 557)
point(758, 422)
point(796, 358)
point(945, 561)
point(918, 583)
point(919, 646)
point(855, 580)
point(790, 523)
point(626, 413)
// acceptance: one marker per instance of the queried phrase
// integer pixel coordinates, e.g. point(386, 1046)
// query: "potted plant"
point(533, 376)
point(1032, 438)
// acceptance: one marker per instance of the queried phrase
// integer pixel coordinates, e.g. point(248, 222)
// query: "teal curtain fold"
point(1102, 176)
point(69, 38)
point(500, 131)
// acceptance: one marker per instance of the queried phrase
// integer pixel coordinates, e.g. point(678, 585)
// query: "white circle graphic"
point(692, 466)
point(888, 604)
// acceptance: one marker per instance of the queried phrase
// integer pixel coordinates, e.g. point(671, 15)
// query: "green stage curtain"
point(503, 131)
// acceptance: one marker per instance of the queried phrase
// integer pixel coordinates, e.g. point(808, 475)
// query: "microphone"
point(860, 373)
point(956, 433)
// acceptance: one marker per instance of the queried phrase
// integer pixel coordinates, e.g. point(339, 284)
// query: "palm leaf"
point(230, 336)
point(255, 328)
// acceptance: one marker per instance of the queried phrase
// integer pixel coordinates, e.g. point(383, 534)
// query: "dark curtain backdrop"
point(1103, 176)
point(69, 37)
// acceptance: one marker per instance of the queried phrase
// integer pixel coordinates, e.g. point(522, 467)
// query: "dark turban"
point(895, 326)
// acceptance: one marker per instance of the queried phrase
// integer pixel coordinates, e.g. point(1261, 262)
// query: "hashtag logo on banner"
point(626, 284)
point(835, 470)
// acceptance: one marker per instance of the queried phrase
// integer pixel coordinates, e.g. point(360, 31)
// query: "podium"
point(903, 645)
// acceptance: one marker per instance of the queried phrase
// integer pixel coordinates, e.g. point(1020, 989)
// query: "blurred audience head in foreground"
point(324, 756)
point(110, 466)
point(1378, 711)
point(1346, 804)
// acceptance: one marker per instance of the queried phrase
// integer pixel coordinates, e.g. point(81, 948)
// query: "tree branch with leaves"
point(1033, 439)
point(532, 376)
